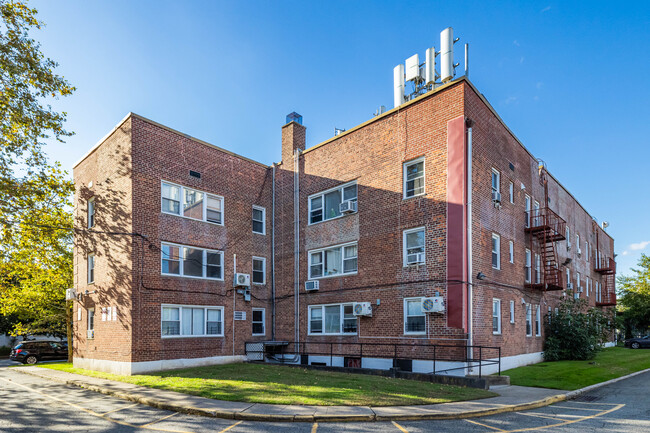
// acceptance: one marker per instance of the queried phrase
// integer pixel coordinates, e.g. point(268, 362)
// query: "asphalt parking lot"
point(29, 403)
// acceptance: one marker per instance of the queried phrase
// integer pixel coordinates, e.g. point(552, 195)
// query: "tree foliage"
point(576, 331)
point(634, 299)
point(35, 208)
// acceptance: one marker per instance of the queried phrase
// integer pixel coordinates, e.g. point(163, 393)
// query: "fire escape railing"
point(606, 266)
point(546, 227)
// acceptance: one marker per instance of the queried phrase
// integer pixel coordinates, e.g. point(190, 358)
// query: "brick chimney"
point(293, 137)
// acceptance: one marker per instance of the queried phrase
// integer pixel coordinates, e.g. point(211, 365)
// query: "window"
point(326, 205)
point(333, 261)
point(258, 321)
point(511, 251)
point(587, 283)
point(496, 180)
point(527, 208)
point(413, 178)
point(529, 320)
point(191, 321)
point(191, 262)
point(511, 190)
point(577, 291)
point(259, 218)
point(259, 270)
point(568, 277)
point(413, 246)
point(568, 238)
point(496, 251)
point(512, 311)
point(549, 315)
point(578, 244)
point(91, 268)
point(191, 203)
point(538, 322)
point(538, 269)
point(587, 247)
point(528, 275)
point(91, 213)
point(91, 323)
point(496, 316)
point(332, 319)
point(414, 320)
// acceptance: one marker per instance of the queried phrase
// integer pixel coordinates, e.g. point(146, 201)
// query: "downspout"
point(470, 272)
point(296, 243)
point(273, 256)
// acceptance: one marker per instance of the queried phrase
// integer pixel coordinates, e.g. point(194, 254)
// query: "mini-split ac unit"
point(348, 206)
point(311, 285)
point(242, 280)
point(362, 309)
point(435, 304)
point(70, 294)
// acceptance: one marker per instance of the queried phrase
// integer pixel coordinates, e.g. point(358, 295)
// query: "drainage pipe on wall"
point(296, 242)
point(470, 271)
point(273, 256)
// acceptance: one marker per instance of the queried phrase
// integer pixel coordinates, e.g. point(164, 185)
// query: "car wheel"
point(31, 360)
point(635, 345)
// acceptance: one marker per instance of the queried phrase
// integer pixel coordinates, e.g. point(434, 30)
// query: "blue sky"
point(569, 78)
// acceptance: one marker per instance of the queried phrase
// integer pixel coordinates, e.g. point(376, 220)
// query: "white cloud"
point(639, 246)
point(511, 100)
point(625, 253)
point(546, 9)
point(516, 43)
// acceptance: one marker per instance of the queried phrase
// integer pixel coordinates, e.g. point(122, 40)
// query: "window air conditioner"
point(348, 206)
point(311, 285)
point(362, 309)
point(579, 252)
point(434, 304)
point(91, 333)
point(569, 286)
point(496, 197)
point(242, 280)
point(415, 259)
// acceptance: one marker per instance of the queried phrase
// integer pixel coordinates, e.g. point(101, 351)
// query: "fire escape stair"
point(547, 228)
point(607, 268)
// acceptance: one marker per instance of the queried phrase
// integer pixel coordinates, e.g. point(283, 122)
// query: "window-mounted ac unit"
point(362, 309)
point(435, 304)
point(569, 286)
point(70, 294)
point(311, 285)
point(415, 259)
point(91, 333)
point(348, 206)
point(568, 246)
point(242, 280)
point(496, 197)
point(579, 290)
point(579, 252)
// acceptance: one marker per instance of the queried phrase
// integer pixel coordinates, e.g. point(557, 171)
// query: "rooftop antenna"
point(338, 131)
point(398, 85)
point(447, 66)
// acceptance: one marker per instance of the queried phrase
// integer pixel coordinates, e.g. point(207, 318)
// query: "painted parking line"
point(402, 429)
point(92, 412)
point(158, 420)
point(234, 425)
point(485, 425)
point(121, 408)
point(538, 415)
point(314, 427)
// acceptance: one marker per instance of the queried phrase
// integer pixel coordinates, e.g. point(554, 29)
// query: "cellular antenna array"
point(424, 76)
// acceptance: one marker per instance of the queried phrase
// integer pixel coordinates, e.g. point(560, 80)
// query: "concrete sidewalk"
point(511, 398)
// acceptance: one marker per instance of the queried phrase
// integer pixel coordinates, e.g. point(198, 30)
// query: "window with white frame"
point(413, 178)
point(512, 311)
point(587, 285)
point(191, 321)
point(259, 270)
point(496, 316)
point(187, 261)
point(538, 269)
point(528, 268)
point(578, 243)
point(577, 290)
point(259, 220)
point(332, 319)
point(258, 321)
point(191, 203)
point(414, 318)
point(568, 238)
point(587, 248)
point(496, 251)
point(91, 323)
point(496, 180)
point(568, 277)
point(549, 314)
point(91, 268)
point(413, 246)
point(538, 321)
point(511, 191)
point(333, 261)
point(529, 320)
point(511, 251)
point(326, 205)
point(527, 203)
point(91, 213)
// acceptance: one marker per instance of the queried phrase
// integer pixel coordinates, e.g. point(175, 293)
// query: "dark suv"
point(30, 352)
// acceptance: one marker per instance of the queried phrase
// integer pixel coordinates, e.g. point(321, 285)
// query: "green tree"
point(576, 331)
point(634, 299)
point(35, 209)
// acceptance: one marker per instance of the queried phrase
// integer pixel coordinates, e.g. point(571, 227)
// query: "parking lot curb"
point(329, 417)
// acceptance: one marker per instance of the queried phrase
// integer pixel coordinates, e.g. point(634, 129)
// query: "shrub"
point(5, 350)
point(576, 331)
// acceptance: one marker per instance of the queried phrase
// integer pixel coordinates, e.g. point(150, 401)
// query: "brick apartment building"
point(434, 199)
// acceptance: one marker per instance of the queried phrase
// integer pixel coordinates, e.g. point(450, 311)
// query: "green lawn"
point(257, 383)
point(611, 363)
